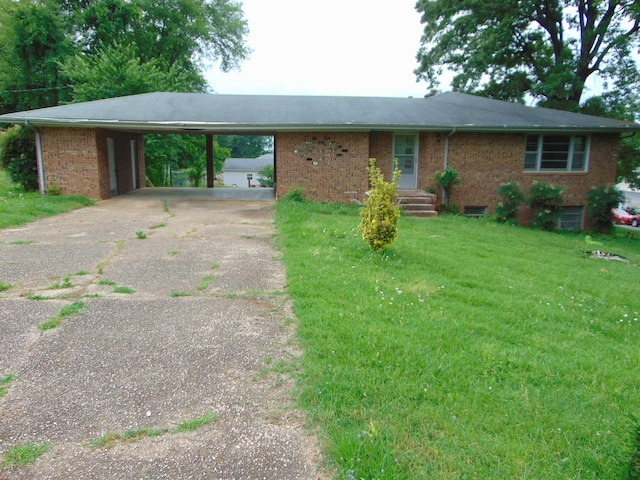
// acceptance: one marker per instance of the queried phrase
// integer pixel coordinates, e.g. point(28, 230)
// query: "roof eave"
point(204, 127)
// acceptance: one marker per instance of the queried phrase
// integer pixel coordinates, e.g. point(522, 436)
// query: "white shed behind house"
point(236, 170)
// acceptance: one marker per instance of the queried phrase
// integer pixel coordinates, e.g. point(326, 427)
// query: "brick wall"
point(381, 148)
point(70, 159)
point(75, 159)
point(484, 161)
point(325, 165)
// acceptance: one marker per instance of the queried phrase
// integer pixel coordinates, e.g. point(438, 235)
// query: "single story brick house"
point(323, 143)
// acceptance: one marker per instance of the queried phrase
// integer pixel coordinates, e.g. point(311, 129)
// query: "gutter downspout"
point(446, 158)
point(40, 162)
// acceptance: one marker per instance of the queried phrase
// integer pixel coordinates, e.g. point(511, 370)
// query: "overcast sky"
point(328, 47)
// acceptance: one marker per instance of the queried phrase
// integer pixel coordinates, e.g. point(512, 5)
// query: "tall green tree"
point(118, 70)
point(246, 146)
point(32, 43)
point(180, 35)
point(546, 49)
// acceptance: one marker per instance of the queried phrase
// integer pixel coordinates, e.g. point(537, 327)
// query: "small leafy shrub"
point(600, 201)
point(295, 194)
point(446, 180)
point(197, 171)
point(54, 190)
point(546, 203)
point(266, 176)
point(380, 214)
point(507, 209)
point(141, 235)
point(4, 286)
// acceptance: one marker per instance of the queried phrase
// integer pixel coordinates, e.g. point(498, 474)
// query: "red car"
point(622, 217)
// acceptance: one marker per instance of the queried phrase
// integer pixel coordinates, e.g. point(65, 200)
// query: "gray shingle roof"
point(196, 112)
point(248, 164)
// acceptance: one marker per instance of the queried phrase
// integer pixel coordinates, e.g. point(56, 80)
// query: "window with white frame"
point(558, 153)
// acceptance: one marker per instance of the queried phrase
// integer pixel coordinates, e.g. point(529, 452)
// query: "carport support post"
point(210, 168)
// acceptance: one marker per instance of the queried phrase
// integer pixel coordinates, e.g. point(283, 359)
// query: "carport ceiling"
point(267, 114)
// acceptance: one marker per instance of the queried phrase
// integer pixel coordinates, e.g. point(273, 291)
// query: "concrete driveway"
point(205, 329)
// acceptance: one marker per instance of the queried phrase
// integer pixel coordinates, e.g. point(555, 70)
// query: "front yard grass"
point(18, 207)
point(467, 349)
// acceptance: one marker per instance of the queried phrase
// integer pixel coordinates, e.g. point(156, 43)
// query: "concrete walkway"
point(204, 330)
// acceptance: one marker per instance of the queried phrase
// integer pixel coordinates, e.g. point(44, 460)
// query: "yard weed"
point(176, 293)
point(23, 454)
point(123, 289)
point(66, 283)
point(134, 435)
point(65, 312)
point(194, 423)
point(38, 297)
point(204, 282)
point(5, 381)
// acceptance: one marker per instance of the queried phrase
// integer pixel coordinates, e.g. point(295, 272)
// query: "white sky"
point(328, 47)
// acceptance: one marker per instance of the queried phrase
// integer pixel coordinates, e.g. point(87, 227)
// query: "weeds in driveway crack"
point(64, 313)
point(204, 283)
point(175, 293)
point(119, 246)
point(66, 283)
point(123, 289)
point(4, 383)
point(23, 454)
point(137, 434)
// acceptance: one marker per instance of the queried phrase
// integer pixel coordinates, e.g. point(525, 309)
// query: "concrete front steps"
point(417, 203)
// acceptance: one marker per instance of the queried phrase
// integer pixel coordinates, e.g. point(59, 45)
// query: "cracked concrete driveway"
point(190, 321)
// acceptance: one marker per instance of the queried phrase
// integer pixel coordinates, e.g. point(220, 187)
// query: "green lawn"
point(467, 350)
point(18, 207)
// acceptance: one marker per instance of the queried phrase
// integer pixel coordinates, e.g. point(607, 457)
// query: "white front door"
point(405, 149)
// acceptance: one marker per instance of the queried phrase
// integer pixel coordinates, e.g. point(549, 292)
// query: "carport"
point(97, 148)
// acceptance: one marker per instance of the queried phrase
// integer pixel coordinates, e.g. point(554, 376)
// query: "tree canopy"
point(544, 50)
point(547, 49)
point(49, 47)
